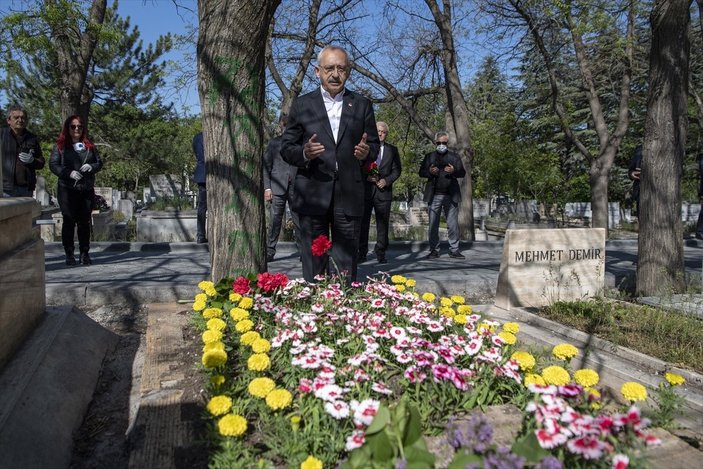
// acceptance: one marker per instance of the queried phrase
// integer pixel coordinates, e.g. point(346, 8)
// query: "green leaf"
point(413, 427)
point(383, 417)
point(419, 458)
point(528, 447)
point(381, 448)
point(463, 459)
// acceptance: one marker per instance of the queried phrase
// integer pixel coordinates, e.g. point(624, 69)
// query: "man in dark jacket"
point(379, 195)
point(278, 189)
point(199, 178)
point(21, 155)
point(442, 168)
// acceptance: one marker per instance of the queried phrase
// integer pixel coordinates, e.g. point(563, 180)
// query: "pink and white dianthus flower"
point(378, 303)
point(620, 461)
point(305, 385)
point(435, 326)
point(381, 388)
point(355, 440)
point(586, 446)
point(403, 358)
point(364, 411)
point(337, 409)
point(414, 374)
point(330, 392)
point(473, 347)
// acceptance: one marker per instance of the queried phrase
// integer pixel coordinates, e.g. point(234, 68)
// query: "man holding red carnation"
point(330, 137)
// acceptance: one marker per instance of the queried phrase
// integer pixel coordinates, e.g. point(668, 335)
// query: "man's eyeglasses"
point(76, 127)
point(329, 69)
point(441, 143)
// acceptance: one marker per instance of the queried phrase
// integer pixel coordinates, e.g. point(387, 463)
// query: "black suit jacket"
point(277, 172)
point(315, 189)
point(389, 169)
point(459, 172)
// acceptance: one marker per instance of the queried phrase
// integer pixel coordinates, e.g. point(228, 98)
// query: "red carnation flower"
point(241, 286)
point(321, 245)
point(270, 282)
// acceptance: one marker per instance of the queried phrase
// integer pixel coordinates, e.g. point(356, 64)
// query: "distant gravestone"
point(126, 208)
point(540, 267)
point(40, 193)
point(105, 193)
point(689, 212)
point(481, 208)
point(165, 185)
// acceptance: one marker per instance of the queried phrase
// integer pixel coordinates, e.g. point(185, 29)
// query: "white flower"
point(337, 409)
point(329, 392)
point(365, 411)
point(355, 440)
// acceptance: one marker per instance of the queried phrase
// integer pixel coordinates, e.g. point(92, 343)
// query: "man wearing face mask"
point(442, 168)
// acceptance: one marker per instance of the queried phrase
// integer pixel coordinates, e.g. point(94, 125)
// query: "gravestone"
point(481, 208)
point(583, 210)
point(540, 267)
point(105, 193)
point(165, 185)
point(689, 212)
point(126, 208)
point(40, 193)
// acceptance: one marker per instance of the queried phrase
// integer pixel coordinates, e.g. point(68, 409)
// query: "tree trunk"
point(598, 179)
point(660, 260)
point(231, 63)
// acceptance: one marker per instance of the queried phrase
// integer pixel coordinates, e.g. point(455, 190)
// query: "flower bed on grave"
point(311, 375)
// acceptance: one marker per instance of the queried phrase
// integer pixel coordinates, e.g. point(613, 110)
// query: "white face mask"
point(441, 149)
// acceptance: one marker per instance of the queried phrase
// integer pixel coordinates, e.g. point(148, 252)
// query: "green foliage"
point(395, 435)
point(171, 203)
point(670, 406)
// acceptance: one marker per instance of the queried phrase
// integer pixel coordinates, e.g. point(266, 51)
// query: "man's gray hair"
point(330, 48)
point(382, 124)
point(441, 133)
point(14, 108)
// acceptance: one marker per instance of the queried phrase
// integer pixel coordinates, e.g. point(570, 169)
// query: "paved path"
point(167, 272)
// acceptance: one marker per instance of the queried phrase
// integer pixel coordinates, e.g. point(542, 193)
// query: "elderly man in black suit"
point(379, 195)
point(278, 188)
point(330, 137)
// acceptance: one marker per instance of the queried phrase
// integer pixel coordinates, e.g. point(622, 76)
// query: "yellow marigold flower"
point(511, 327)
point(249, 338)
point(633, 391)
point(261, 387)
point(565, 351)
point(199, 305)
point(674, 379)
point(464, 309)
point(400, 287)
point(586, 377)
point(524, 359)
point(217, 380)
point(295, 420)
point(205, 284)
point(245, 325)
point(416, 295)
point(532, 378)
point(239, 314)
point(556, 375)
point(460, 319)
point(279, 399)
point(261, 346)
point(258, 362)
point(458, 299)
point(507, 337)
point(211, 291)
point(428, 297)
point(398, 279)
point(444, 301)
point(219, 405)
point(234, 297)
point(211, 336)
point(246, 303)
point(410, 283)
point(595, 398)
point(216, 324)
point(311, 463)
point(214, 358)
point(210, 313)
point(486, 327)
point(447, 311)
point(232, 425)
point(201, 297)
point(218, 345)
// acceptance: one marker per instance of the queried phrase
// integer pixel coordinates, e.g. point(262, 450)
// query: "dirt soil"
point(109, 428)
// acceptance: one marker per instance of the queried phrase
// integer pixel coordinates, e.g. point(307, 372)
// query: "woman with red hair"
point(75, 161)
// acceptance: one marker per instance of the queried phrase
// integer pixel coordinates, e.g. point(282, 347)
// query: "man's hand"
point(26, 158)
point(449, 169)
point(635, 174)
point(381, 183)
point(361, 150)
point(312, 148)
point(434, 170)
point(75, 175)
point(268, 195)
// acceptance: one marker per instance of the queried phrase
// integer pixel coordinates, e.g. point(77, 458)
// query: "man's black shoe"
point(457, 255)
point(85, 259)
point(269, 257)
point(382, 260)
point(433, 254)
point(201, 240)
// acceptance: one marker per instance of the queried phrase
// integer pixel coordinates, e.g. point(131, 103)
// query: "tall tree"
point(231, 63)
point(660, 254)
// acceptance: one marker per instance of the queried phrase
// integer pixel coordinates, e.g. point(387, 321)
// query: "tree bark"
point(660, 266)
point(231, 64)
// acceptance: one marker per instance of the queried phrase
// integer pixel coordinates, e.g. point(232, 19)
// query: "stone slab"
point(167, 226)
point(165, 185)
point(16, 214)
point(47, 387)
point(539, 267)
